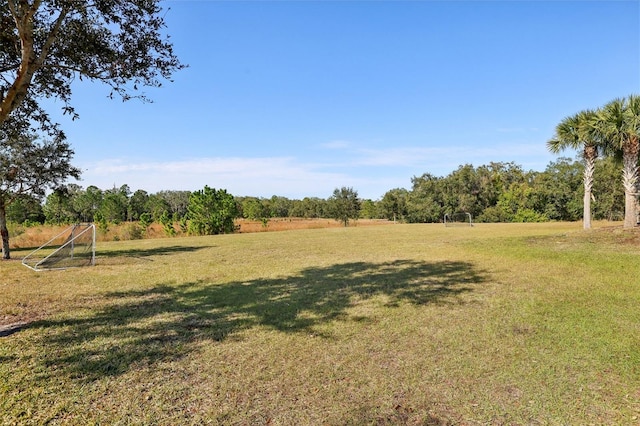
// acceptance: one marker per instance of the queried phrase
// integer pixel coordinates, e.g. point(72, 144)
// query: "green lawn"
point(399, 324)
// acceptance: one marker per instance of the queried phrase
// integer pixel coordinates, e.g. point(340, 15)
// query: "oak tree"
point(28, 167)
point(344, 204)
point(45, 45)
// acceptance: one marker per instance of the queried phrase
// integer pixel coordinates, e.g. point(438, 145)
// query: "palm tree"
point(619, 122)
point(575, 132)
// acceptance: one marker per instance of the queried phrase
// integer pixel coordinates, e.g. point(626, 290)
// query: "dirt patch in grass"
point(617, 235)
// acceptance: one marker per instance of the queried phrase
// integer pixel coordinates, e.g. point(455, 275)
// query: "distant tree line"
point(497, 192)
point(505, 192)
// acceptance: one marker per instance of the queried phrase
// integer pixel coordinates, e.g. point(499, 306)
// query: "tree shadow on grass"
point(155, 251)
point(163, 323)
point(118, 256)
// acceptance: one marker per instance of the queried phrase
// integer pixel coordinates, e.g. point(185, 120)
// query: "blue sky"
point(297, 98)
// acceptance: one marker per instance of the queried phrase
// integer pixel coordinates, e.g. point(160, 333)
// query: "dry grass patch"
point(33, 237)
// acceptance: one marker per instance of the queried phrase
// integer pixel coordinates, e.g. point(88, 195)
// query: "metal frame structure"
point(449, 222)
point(90, 227)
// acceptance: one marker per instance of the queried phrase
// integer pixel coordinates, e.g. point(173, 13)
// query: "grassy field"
point(397, 324)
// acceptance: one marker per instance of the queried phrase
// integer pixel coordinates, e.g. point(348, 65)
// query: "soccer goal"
point(73, 247)
point(458, 219)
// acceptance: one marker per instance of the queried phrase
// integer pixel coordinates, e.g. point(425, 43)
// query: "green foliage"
point(103, 224)
point(58, 208)
point(167, 224)
point(47, 45)
point(369, 210)
point(137, 204)
point(608, 192)
point(619, 122)
point(184, 225)
point(393, 205)
point(175, 202)
point(156, 205)
point(254, 208)
point(211, 212)
point(494, 214)
point(26, 210)
point(497, 192)
point(279, 206)
point(135, 231)
point(28, 167)
point(145, 220)
point(86, 202)
point(516, 198)
point(115, 203)
point(558, 192)
point(309, 208)
point(344, 205)
point(613, 130)
point(15, 229)
point(425, 202)
point(529, 215)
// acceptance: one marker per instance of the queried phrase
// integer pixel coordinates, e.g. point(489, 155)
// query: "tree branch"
point(97, 76)
point(51, 38)
point(9, 68)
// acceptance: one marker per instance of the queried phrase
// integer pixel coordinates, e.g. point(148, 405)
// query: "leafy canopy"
point(344, 204)
point(211, 212)
point(45, 45)
point(27, 168)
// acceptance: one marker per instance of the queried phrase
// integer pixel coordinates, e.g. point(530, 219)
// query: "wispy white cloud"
point(438, 156)
point(241, 176)
point(372, 171)
point(270, 166)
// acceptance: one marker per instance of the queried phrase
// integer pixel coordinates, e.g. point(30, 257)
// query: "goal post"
point(73, 247)
point(458, 219)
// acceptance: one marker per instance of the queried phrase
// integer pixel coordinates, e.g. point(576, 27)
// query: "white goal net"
point(458, 219)
point(73, 247)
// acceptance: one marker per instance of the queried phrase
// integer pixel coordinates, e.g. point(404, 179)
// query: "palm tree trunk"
point(629, 179)
point(590, 156)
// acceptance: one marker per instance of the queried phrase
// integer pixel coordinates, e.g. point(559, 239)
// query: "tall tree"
point(557, 192)
point(114, 205)
point(393, 205)
point(211, 212)
point(88, 202)
point(29, 167)
point(58, 207)
point(580, 131)
point(137, 204)
point(619, 122)
point(254, 209)
point(425, 202)
point(344, 204)
point(26, 210)
point(46, 44)
point(178, 201)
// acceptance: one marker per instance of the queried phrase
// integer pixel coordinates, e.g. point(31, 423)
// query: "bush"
point(212, 212)
point(134, 231)
point(529, 215)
